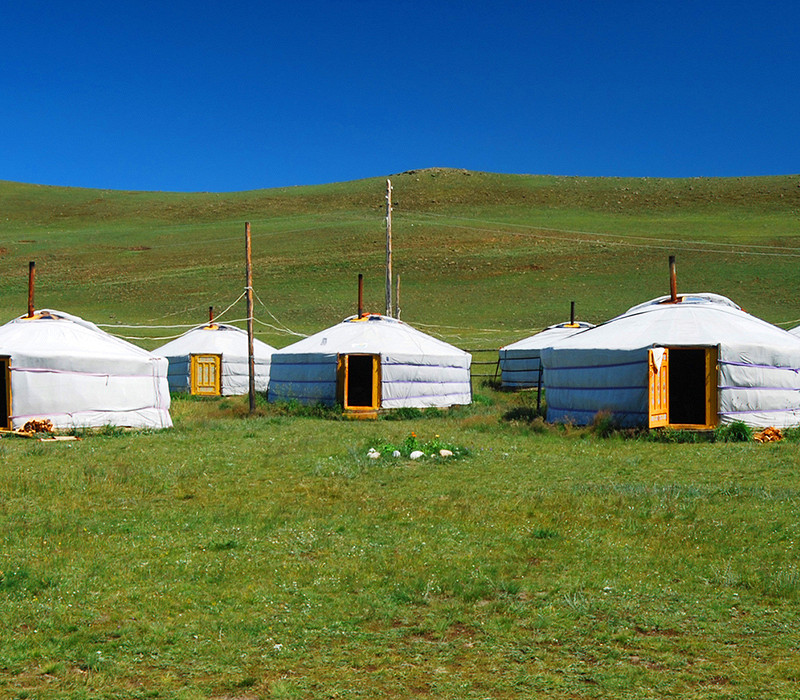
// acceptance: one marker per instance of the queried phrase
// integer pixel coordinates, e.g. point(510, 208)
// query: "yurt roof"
point(372, 334)
point(214, 338)
point(549, 335)
point(51, 332)
point(699, 321)
point(694, 298)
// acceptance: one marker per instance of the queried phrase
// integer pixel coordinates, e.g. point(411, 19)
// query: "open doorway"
point(683, 387)
point(687, 386)
point(5, 393)
point(361, 382)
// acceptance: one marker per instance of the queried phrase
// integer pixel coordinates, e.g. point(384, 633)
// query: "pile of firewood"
point(768, 435)
point(37, 425)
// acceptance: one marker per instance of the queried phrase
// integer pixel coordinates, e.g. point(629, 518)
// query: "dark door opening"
point(687, 386)
point(5, 394)
point(360, 378)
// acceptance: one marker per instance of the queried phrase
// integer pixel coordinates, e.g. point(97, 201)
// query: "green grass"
point(268, 556)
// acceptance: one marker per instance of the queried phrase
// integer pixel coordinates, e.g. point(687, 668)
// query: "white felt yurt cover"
point(520, 362)
point(218, 339)
point(795, 331)
point(76, 375)
point(606, 368)
point(417, 370)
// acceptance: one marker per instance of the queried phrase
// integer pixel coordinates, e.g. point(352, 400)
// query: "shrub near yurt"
point(212, 360)
point(687, 361)
point(369, 362)
point(58, 367)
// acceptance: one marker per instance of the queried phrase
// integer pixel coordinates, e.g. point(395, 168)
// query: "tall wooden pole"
point(251, 364)
point(388, 247)
point(31, 278)
point(397, 298)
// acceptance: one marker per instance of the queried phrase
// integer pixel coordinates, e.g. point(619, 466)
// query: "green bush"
point(733, 432)
point(604, 424)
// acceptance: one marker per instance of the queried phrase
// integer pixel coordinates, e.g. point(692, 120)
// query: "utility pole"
point(251, 364)
point(389, 248)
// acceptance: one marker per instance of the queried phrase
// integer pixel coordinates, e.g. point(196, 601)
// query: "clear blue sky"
point(227, 95)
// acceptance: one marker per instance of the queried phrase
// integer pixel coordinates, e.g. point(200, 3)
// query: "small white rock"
point(416, 454)
point(396, 453)
point(373, 455)
point(445, 453)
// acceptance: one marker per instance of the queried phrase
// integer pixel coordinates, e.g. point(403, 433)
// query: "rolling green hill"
point(483, 258)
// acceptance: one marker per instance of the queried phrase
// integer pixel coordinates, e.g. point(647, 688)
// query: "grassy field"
point(246, 557)
point(268, 557)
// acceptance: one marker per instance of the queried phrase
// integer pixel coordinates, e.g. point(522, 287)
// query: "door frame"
point(343, 374)
point(658, 395)
point(5, 368)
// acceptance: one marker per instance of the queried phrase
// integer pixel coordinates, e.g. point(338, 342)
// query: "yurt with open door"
point(58, 367)
point(212, 360)
point(370, 362)
point(685, 361)
point(520, 362)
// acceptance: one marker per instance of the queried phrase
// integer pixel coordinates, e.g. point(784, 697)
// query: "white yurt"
point(696, 361)
point(520, 362)
point(212, 360)
point(61, 368)
point(371, 362)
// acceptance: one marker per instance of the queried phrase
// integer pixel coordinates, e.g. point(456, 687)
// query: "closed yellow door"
point(658, 393)
point(206, 375)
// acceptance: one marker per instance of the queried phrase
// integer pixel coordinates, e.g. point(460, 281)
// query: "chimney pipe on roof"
point(360, 295)
point(572, 313)
point(210, 315)
point(673, 280)
point(31, 278)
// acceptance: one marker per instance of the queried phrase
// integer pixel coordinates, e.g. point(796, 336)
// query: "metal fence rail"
point(478, 369)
